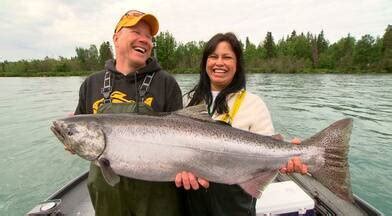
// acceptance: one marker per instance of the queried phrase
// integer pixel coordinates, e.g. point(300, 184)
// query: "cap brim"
point(152, 22)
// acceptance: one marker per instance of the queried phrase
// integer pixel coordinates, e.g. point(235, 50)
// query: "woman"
point(222, 87)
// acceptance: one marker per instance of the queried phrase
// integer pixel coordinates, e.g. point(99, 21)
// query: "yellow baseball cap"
point(133, 17)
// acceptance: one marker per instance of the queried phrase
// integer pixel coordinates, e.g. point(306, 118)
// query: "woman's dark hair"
point(202, 91)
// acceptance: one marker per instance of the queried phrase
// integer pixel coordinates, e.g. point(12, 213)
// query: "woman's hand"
point(188, 181)
point(294, 164)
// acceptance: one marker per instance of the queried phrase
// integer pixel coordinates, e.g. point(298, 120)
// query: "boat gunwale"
point(364, 205)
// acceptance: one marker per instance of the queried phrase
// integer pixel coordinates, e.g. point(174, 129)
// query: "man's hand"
point(188, 181)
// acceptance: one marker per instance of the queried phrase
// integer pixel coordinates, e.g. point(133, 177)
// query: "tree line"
point(86, 61)
point(294, 53)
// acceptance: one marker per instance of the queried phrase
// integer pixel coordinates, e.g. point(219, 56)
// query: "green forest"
point(295, 53)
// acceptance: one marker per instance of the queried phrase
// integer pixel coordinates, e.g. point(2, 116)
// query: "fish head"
point(85, 138)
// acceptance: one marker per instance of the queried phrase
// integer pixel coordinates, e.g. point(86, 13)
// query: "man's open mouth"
point(140, 49)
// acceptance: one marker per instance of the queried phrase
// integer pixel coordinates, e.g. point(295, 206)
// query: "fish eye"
point(71, 130)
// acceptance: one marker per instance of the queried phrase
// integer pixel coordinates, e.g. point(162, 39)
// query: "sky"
point(39, 28)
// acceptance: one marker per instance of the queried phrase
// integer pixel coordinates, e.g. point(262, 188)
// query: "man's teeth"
point(140, 49)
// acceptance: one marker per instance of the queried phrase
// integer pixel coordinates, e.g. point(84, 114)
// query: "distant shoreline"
point(191, 71)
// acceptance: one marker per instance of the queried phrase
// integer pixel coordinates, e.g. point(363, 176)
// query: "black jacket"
point(164, 93)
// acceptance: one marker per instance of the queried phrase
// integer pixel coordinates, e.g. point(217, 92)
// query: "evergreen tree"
point(282, 48)
point(193, 54)
point(88, 58)
point(365, 52)
point(81, 55)
point(269, 46)
point(92, 57)
point(293, 35)
point(166, 46)
point(261, 53)
point(322, 43)
point(339, 55)
point(105, 53)
point(300, 47)
point(250, 53)
point(386, 50)
point(387, 40)
point(315, 51)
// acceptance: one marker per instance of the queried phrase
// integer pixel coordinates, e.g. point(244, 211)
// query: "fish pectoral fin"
point(256, 185)
point(108, 174)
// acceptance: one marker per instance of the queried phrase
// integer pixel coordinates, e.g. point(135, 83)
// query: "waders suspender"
point(108, 87)
point(146, 85)
point(143, 88)
point(229, 117)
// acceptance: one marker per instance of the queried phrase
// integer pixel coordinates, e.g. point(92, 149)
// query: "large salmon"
point(156, 148)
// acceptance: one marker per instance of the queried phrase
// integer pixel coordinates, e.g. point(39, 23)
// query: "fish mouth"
point(55, 129)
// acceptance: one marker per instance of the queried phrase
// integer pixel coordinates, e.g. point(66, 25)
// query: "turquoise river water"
point(33, 164)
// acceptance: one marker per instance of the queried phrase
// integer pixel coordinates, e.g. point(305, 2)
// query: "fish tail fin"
point(334, 172)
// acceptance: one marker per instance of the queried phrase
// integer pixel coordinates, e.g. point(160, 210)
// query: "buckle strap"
point(107, 87)
point(145, 85)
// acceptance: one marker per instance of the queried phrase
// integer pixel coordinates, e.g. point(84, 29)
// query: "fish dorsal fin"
point(198, 112)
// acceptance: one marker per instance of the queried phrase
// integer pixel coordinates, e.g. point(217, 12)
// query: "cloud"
point(35, 29)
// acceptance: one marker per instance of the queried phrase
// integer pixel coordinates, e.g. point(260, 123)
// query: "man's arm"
point(173, 95)
point(81, 107)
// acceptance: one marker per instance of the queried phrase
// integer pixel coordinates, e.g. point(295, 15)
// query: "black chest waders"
point(130, 197)
point(221, 199)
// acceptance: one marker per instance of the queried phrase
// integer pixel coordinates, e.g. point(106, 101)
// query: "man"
point(133, 82)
